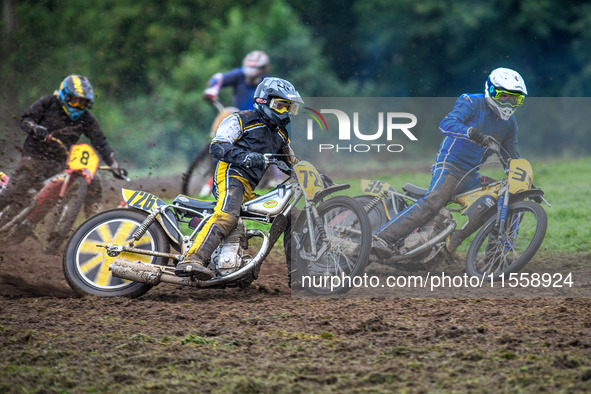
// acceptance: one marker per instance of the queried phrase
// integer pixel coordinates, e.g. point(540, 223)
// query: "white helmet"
point(504, 90)
point(255, 66)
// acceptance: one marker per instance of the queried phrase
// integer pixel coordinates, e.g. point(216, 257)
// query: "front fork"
point(502, 213)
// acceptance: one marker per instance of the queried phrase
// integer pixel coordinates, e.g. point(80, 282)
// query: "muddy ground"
point(261, 339)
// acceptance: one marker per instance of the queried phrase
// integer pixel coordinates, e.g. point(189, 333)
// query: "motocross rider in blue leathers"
point(465, 130)
point(243, 80)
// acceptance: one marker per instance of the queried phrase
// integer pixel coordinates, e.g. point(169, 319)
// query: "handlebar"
point(107, 168)
point(216, 103)
point(50, 137)
point(272, 159)
point(67, 152)
point(496, 147)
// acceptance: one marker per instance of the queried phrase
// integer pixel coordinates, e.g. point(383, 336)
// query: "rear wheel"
point(62, 218)
point(496, 254)
point(86, 264)
point(345, 229)
point(14, 226)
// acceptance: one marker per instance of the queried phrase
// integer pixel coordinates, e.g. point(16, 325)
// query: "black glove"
point(254, 160)
point(118, 172)
point(537, 199)
point(40, 133)
point(476, 135)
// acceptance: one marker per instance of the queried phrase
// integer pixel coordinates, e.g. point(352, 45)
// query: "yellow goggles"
point(282, 106)
point(77, 102)
point(504, 97)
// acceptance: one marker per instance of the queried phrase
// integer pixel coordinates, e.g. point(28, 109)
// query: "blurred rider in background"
point(243, 81)
point(65, 116)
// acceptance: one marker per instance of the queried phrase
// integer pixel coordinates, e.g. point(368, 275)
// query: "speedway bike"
point(507, 214)
point(57, 204)
point(126, 251)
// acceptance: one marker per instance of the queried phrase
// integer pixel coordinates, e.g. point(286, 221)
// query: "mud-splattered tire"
point(525, 229)
point(12, 229)
point(86, 265)
point(347, 226)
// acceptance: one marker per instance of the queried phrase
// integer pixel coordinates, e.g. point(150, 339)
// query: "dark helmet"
point(76, 95)
point(276, 100)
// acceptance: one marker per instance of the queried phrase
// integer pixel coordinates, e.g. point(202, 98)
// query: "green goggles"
point(505, 97)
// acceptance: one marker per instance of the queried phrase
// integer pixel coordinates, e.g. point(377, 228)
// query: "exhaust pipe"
point(151, 274)
point(426, 246)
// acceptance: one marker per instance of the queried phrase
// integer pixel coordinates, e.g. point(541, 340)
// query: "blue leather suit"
point(456, 157)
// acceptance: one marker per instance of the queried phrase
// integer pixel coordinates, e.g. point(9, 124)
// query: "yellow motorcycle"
point(508, 213)
point(126, 251)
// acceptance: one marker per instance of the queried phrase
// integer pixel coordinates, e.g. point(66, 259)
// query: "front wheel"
point(86, 262)
point(341, 239)
point(496, 254)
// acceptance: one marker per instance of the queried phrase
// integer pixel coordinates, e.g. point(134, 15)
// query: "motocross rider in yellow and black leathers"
point(63, 115)
point(240, 143)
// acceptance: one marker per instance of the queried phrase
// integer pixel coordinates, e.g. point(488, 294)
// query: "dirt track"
point(263, 340)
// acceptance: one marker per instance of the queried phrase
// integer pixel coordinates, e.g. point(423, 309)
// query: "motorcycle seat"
point(193, 203)
point(414, 191)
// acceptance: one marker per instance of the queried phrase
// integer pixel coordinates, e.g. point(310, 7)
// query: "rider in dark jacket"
point(240, 143)
point(466, 127)
point(64, 116)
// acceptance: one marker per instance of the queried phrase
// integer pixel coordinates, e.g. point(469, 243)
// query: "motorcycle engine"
point(228, 257)
point(428, 231)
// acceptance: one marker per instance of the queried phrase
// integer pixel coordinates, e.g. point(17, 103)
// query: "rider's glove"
point(40, 133)
point(537, 199)
point(476, 135)
point(211, 93)
point(118, 172)
point(254, 160)
point(210, 98)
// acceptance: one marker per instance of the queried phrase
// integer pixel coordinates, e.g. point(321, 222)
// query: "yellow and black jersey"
point(242, 133)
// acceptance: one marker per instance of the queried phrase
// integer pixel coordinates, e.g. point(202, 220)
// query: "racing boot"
point(192, 266)
point(477, 216)
point(381, 249)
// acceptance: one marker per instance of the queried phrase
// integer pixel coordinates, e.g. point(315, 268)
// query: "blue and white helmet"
point(504, 91)
point(76, 95)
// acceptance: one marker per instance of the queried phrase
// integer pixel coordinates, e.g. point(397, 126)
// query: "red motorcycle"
point(62, 195)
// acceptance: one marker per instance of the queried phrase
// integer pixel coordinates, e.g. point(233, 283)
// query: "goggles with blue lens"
point(505, 97)
point(282, 106)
